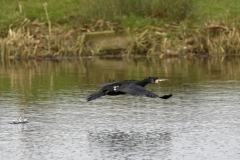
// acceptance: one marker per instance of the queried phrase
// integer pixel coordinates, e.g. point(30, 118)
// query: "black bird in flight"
point(133, 87)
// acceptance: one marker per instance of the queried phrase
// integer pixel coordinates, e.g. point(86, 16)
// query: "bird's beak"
point(160, 80)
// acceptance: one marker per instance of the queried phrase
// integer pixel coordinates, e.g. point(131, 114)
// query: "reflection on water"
point(200, 121)
point(118, 144)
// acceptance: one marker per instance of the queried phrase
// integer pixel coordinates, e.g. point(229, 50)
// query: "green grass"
point(60, 12)
point(215, 10)
point(72, 13)
point(135, 13)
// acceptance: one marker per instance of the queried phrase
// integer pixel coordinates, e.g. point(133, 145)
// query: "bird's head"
point(155, 79)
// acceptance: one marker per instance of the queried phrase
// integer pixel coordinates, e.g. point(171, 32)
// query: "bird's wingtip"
point(166, 96)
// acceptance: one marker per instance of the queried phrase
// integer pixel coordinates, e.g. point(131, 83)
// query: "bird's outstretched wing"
point(134, 89)
point(110, 82)
point(95, 96)
point(113, 83)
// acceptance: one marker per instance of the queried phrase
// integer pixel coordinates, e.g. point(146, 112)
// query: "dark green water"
point(200, 121)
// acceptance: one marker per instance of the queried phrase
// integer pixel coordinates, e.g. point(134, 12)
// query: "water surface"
point(201, 121)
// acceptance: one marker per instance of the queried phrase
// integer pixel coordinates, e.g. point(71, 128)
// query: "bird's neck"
point(143, 83)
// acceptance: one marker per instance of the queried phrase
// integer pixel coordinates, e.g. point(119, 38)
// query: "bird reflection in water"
point(153, 144)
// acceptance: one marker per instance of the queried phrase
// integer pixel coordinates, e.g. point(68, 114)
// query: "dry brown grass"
point(34, 39)
point(211, 39)
point(37, 40)
point(222, 39)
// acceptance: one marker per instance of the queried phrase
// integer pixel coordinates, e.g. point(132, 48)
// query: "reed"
point(32, 40)
point(223, 39)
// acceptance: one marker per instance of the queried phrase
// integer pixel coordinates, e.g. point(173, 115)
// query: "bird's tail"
point(166, 96)
point(95, 96)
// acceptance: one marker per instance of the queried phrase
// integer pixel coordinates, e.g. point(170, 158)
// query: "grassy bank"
point(173, 28)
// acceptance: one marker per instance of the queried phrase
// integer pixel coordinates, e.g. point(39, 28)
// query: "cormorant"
point(132, 87)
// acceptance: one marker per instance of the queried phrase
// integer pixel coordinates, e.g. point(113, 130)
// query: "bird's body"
point(132, 87)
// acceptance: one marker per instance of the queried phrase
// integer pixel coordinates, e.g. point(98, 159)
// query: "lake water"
point(201, 121)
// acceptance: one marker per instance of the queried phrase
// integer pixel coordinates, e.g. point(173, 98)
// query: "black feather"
point(132, 87)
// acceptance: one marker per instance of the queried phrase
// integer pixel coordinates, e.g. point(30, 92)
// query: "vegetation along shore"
point(70, 28)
